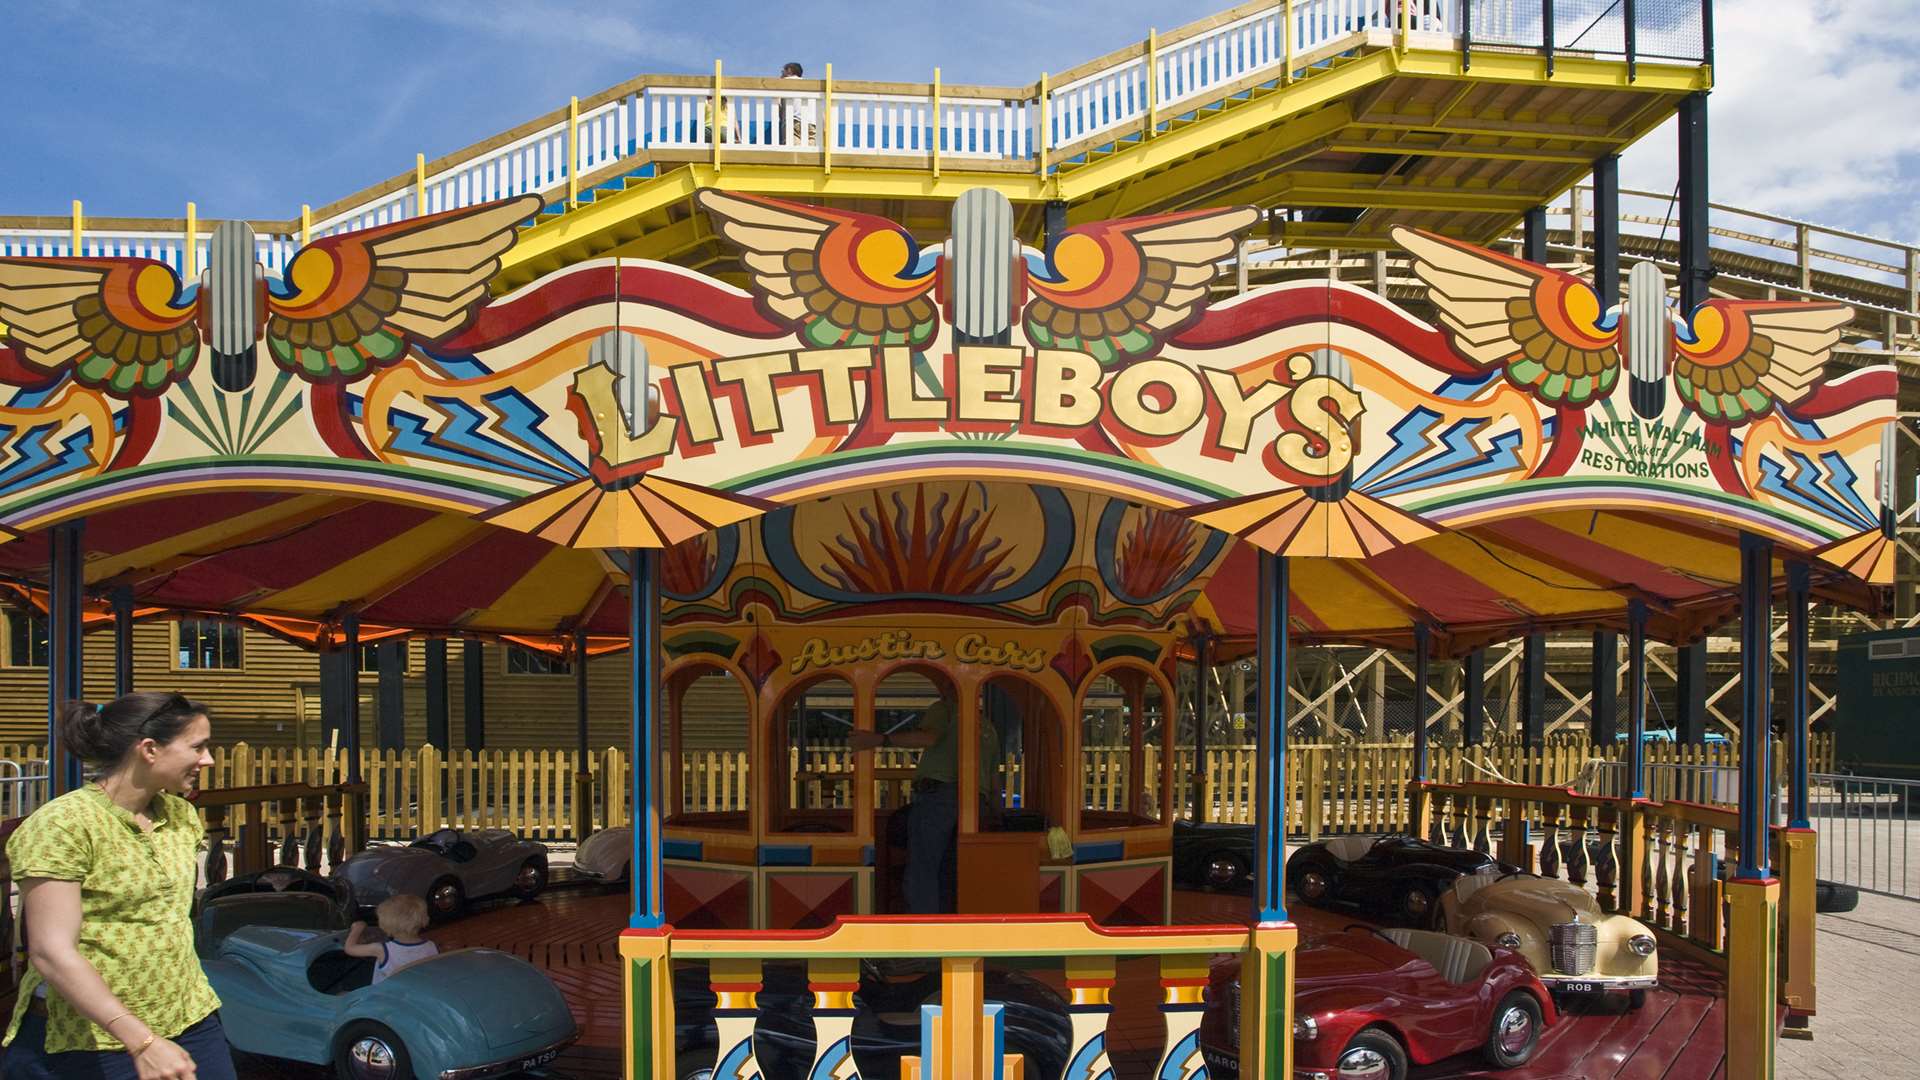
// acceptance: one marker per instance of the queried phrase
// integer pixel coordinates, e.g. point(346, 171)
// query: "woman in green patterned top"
point(113, 988)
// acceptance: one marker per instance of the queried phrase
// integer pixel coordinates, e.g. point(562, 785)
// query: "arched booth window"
point(1124, 749)
point(710, 736)
point(814, 764)
point(902, 700)
point(1022, 785)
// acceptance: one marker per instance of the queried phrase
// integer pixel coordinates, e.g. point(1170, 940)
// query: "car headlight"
point(1642, 944)
point(1304, 1029)
point(1508, 940)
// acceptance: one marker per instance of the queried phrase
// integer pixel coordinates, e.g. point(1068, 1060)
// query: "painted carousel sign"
point(617, 404)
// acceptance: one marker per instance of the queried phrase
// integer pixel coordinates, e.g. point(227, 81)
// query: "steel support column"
point(1473, 725)
point(439, 726)
point(1799, 586)
point(1533, 691)
point(473, 693)
point(1202, 707)
point(1270, 738)
point(1756, 729)
point(643, 641)
point(350, 686)
point(1603, 723)
point(66, 673)
point(121, 597)
point(1696, 255)
point(1690, 692)
point(1637, 702)
point(1606, 230)
point(391, 697)
point(1533, 236)
point(580, 692)
point(1422, 700)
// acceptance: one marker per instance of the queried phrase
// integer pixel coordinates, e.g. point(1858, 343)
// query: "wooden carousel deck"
point(570, 935)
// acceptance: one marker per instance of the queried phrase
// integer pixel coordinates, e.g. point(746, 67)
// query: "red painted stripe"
point(679, 292)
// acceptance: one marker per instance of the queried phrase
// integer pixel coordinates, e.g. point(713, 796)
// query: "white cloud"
point(1811, 114)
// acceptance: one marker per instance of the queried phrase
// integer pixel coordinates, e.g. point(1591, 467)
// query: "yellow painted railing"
point(1081, 956)
point(1354, 787)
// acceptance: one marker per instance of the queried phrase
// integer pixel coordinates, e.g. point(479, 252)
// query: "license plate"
point(538, 1060)
point(1578, 988)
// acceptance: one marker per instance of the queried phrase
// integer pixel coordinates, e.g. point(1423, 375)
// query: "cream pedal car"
point(1576, 949)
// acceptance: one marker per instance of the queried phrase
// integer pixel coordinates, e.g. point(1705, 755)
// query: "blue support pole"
point(643, 630)
point(1799, 586)
point(1756, 735)
point(1270, 736)
point(66, 587)
point(1637, 704)
point(1422, 700)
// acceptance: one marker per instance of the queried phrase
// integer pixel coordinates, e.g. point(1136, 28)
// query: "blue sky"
point(250, 110)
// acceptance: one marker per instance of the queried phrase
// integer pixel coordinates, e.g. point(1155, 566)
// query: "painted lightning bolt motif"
point(31, 462)
point(1412, 464)
point(1825, 487)
point(463, 438)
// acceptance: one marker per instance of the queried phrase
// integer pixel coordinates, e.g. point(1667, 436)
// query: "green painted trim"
point(1278, 1033)
point(640, 1033)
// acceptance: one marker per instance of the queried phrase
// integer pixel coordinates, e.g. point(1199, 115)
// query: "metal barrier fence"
point(1867, 833)
point(23, 787)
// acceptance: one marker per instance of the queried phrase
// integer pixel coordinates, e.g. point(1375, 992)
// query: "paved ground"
point(1869, 983)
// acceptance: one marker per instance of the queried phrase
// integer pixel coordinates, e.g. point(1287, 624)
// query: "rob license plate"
point(1578, 988)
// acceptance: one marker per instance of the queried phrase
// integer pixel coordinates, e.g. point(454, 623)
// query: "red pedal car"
point(1369, 1004)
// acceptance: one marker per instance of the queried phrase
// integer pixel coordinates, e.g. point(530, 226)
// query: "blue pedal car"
point(290, 991)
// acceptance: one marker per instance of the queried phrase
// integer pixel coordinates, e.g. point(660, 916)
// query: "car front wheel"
point(530, 879)
point(1515, 1030)
point(369, 1051)
point(1372, 1055)
point(1224, 870)
point(1312, 882)
point(446, 899)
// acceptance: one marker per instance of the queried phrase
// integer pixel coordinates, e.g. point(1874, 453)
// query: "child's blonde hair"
point(402, 916)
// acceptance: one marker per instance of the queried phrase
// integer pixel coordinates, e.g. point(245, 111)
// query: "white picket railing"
point(1264, 44)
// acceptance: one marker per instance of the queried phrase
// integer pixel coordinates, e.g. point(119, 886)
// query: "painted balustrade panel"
point(1098, 103)
point(883, 124)
point(982, 128)
point(677, 118)
point(977, 959)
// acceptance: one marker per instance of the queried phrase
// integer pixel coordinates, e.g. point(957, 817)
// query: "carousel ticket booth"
point(962, 601)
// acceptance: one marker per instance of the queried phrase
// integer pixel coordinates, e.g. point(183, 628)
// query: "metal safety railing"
point(1868, 835)
point(1043, 126)
point(23, 787)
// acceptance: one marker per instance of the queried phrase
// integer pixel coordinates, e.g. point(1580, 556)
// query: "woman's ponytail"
point(103, 735)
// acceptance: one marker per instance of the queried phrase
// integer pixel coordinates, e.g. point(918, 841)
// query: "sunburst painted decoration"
point(1867, 555)
point(891, 547)
point(652, 512)
point(1295, 522)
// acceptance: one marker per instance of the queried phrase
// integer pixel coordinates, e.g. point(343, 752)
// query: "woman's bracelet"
point(116, 1019)
point(143, 1046)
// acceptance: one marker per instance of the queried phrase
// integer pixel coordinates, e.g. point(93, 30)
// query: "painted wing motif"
point(1117, 289)
point(118, 324)
point(1544, 327)
point(843, 278)
point(352, 302)
point(1745, 356)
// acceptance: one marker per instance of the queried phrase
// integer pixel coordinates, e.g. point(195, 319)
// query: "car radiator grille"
point(1572, 945)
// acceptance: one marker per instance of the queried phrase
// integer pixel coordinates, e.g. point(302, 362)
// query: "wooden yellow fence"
point(1352, 787)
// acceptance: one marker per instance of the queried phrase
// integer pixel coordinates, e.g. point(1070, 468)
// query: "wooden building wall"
point(262, 703)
